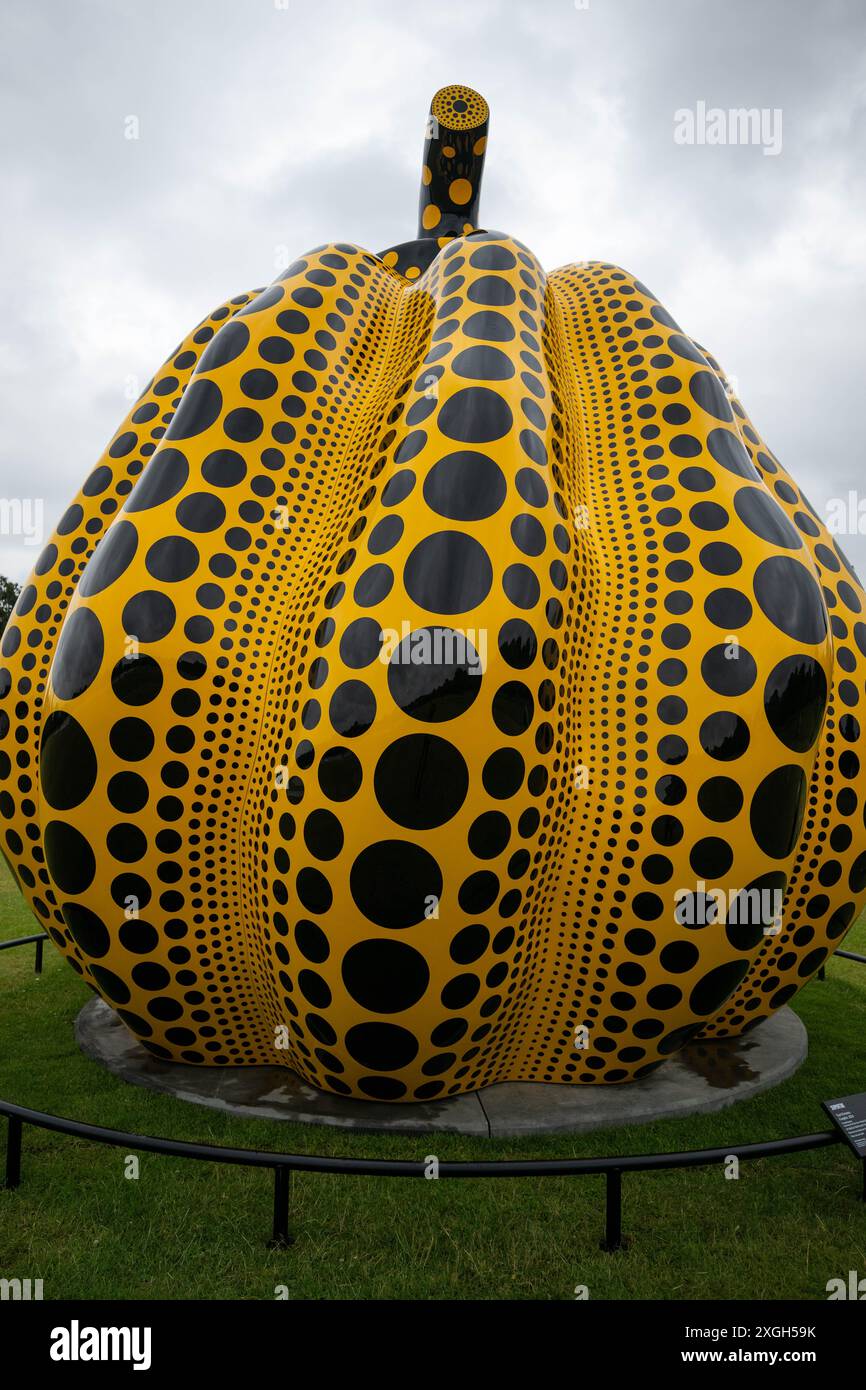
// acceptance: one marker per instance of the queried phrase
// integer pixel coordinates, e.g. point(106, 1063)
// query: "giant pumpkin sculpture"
point(438, 681)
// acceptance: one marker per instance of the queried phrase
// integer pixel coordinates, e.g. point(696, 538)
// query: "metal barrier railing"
point(39, 939)
point(283, 1165)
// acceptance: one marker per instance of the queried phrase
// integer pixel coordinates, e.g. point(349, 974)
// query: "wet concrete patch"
point(703, 1077)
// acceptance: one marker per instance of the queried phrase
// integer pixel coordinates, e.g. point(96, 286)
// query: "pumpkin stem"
point(453, 163)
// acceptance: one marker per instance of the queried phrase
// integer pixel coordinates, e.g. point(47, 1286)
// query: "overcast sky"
point(269, 126)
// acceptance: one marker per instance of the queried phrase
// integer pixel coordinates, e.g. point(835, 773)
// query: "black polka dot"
point(765, 518)
point(513, 708)
point(707, 390)
point(483, 363)
point(200, 407)
point(716, 986)
point(373, 586)
point(361, 643)
point(171, 559)
point(521, 586)
point(728, 450)
point(385, 977)
point(79, 654)
point(465, 486)
point(720, 799)
point(434, 674)
point(755, 909)
point(149, 616)
point(724, 735)
point(489, 834)
point(228, 344)
point(88, 931)
point(421, 781)
point(123, 444)
point(720, 558)
point(488, 325)
point(503, 773)
point(518, 644)
point(475, 415)
point(492, 290)
point(200, 512)
point(312, 942)
point(323, 834)
point(340, 774)
point(71, 861)
point(398, 488)
point(163, 478)
point(224, 468)
point(448, 572)
point(136, 680)
point(728, 669)
point(492, 257)
point(789, 596)
point(352, 708)
point(528, 534)
point(728, 608)
point(111, 557)
point(531, 486)
point(315, 894)
point(776, 811)
point(67, 762)
point(395, 883)
point(795, 698)
point(381, 1046)
point(385, 535)
point(243, 425)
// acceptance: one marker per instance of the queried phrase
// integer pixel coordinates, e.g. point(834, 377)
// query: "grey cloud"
point(264, 127)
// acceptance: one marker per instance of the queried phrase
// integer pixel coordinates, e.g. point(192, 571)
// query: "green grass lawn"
point(194, 1230)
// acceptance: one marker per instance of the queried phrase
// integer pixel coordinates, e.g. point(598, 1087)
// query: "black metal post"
point(14, 1128)
point(39, 945)
point(613, 1238)
point(822, 973)
point(281, 1238)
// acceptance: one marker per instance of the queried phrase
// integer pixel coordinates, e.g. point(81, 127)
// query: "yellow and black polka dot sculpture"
point(438, 682)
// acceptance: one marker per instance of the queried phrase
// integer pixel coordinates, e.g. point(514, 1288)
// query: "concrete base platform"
point(702, 1077)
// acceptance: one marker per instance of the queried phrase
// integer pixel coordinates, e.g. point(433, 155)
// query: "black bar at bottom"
point(39, 945)
point(660, 1332)
point(281, 1238)
point(613, 1212)
point(13, 1152)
